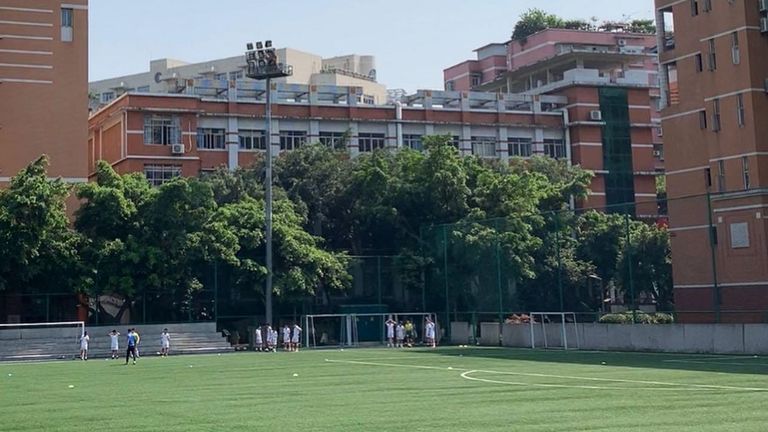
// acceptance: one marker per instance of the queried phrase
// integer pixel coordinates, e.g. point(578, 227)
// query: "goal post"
point(352, 330)
point(62, 329)
point(37, 341)
point(554, 330)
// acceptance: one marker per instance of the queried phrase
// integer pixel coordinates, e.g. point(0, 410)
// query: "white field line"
point(538, 375)
point(717, 363)
point(465, 375)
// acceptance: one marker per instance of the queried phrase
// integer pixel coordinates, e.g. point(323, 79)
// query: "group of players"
point(265, 338)
point(401, 334)
point(132, 341)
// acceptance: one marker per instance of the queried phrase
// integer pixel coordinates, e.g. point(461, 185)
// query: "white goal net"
point(40, 340)
point(554, 330)
point(368, 329)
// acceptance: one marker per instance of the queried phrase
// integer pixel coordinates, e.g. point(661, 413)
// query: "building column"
point(314, 131)
point(465, 145)
point(429, 129)
point(232, 137)
point(538, 141)
point(275, 138)
point(354, 146)
point(502, 146)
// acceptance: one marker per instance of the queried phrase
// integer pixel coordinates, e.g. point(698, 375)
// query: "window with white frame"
point(220, 76)
point(158, 174)
point(369, 142)
point(368, 99)
point(475, 79)
point(236, 75)
point(735, 53)
point(721, 176)
point(108, 96)
point(143, 89)
point(522, 147)
point(484, 147)
point(740, 109)
point(333, 139)
point(554, 148)
point(162, 130)
point(413, 142)
point(716, 115)
point(251, 139)
point(291, 140)
point(67, 24)
point(211, 139)
point(711, 55)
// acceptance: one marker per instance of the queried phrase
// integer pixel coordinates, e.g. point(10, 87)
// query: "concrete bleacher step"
point(191, 338)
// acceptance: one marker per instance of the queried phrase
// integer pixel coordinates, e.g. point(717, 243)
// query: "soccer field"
point(456, 389)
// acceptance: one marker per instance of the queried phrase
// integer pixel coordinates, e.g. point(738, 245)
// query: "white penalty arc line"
point(466, 375)
point(466, 372)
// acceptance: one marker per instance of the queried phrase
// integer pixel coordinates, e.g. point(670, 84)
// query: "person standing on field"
point(165, 342)
point(429, 333)
point(138, 340)
point(400, 334)
point(84, 346)
point(390, 333)
point(296, 337)
point(286, 337)
point(131, 350)
point(258, 341)
point(113, 343)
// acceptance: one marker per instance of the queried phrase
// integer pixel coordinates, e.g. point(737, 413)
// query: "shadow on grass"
point(690, 362)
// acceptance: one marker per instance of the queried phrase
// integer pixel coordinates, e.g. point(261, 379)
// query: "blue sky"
point(413, 41)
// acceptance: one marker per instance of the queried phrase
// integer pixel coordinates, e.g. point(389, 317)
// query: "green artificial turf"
point(390, 390)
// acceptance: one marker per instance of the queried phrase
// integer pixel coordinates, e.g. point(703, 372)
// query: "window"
point(369, 142)
point(211, 139)
point(333, 139)
point(673, 88)
point(716, 115)
point(521, 147)
point(699, 62)
point(554, 148)
point(721, 175)
point(449, 86)
point(745, 171)
point(236, 75)
point(456, 141)
point(252, 139)
point(413, 142)
point(707, 6)
point(735, 53)
point(106, 97)
point(143, 89)
point(702, 119)
point(711, 56)
point(368, 99)
point(484, 147)
point(475, 79)
point(708, 177)
point(739, 235)
point(694, 7)
point(161, 130)
point(291, 140)
point(67, 22)
point(220, 76)
point(158, 174)
point(740, 109)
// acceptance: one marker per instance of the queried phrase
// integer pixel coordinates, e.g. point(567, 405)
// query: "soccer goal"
point(40, 340)
point(352, 330)
point(554, 330)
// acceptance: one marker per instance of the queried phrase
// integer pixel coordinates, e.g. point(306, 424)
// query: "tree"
point(649, 256)
point(646, 26)
point(38, 250)
point(533, 21)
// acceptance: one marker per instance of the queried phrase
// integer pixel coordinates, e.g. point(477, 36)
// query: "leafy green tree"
point(649, 256)
point(533, 21)
point(38, 250)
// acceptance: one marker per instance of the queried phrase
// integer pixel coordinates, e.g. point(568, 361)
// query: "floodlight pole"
point(268, 204)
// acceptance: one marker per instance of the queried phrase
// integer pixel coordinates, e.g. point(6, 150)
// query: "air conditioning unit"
point(595, 115)
point(623, 42)
point(177, 149)
point(763, 5)
point(763, 25)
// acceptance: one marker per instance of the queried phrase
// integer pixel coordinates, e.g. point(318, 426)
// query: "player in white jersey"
point(287, 337)
point(399, 334)
point(296, 337)
point(258, 341)
point(274, 340)
point(390, 333)
point(113, 343)
point(268, 335)
point(84, 346)
point(165, 342)
point(429, 332)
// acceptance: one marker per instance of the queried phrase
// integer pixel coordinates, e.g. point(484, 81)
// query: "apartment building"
point(714, 72)
point(171, 76)
point(221, 123)
point(610, 80)
point(44, 86)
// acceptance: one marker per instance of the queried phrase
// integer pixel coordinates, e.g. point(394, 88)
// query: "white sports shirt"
point(430, 330)
point(390, 329)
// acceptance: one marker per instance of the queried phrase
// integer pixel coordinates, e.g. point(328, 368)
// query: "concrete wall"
point(682, 338)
